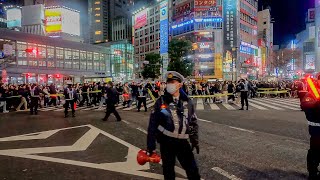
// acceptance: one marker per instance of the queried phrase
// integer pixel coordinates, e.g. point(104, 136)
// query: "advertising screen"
point(205, 2)
point(13, 17)
point(32, 15)
point(53, 20)
point(70, 22)
point(310, 62)
point(140, 19)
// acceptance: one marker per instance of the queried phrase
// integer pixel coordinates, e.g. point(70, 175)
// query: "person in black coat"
point(112, 95)
point(71, 97)
point(34, 93)
point(142, 97)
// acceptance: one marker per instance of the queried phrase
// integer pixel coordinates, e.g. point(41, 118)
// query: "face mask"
point(171, 88)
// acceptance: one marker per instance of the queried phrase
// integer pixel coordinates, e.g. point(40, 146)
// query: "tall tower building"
point(102, 14)
point(200, 21)
point(240, 38)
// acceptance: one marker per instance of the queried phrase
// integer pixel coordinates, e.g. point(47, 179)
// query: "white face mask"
point(171, 88)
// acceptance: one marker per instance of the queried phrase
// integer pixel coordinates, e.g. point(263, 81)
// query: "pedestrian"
point(3, 103)
point(85, 92)
point(142, 97)
point(71, 97)
point(172, 122)
point(311, 106)
point(111, 101)
point(34, 93)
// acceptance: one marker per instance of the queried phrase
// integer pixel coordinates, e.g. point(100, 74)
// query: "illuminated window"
point(98, 32)
point(97, 2)
point(97, 15)
point(97, 9)
point(98, 20)
point(98, 41)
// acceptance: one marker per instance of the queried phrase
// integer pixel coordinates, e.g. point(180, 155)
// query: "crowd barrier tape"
point(208, 96)
point(266, 89)
point(273, 92)
point(55, 95)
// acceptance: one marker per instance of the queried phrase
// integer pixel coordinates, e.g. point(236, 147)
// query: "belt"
point(313, 124)
point(171, 134)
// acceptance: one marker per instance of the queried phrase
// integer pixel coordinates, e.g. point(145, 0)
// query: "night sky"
point(289, 17)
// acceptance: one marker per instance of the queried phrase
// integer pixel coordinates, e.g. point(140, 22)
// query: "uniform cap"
point(173, 75)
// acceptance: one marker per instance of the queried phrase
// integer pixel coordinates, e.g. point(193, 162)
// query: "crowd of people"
point(19, 97)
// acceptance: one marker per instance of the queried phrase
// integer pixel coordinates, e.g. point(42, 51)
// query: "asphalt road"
point(233, 145)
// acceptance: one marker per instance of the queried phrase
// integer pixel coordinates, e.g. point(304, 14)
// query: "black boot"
point(247, 107)
point(73, 115)
point(241, 108)
point(66, 115)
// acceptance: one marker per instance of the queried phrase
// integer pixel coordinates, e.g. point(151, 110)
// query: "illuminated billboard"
point(13, 17)
point(62, 20)
point(53, 20)
point(310, 62)
point(140, 19)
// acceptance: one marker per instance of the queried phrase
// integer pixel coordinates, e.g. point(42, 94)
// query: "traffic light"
point(32, 50)
point(58, 76)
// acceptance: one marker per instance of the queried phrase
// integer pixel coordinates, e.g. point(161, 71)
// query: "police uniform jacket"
point(70, 94)
point(166, 121)
point(34, 91)
point(311, 108)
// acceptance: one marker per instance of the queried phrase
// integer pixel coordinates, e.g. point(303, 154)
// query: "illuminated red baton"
point(313, 88)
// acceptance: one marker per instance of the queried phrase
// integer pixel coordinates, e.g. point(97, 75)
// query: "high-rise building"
point(240, 38)
point(102, 14)
point(146, 32)
point(200, 21)
point(265, 41)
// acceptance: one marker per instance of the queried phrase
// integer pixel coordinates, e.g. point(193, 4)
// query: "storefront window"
point(76, 59)
point(42, 52)
point(89, 60)
point(102, 62)
point(22, 46)
point(83, 60)
point(68, 58)
point(96, 61)
point(50, 50)
point(32, 46)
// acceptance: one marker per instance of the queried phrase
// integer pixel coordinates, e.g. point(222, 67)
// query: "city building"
point(200, 22)
point(265, 42)
point(146, 33)
point(48, 60)
point(101, 17)
point(240, 38)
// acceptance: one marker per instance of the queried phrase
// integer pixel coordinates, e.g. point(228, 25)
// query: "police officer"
point(34, 93)
point(142, 97)
point(311, 106)
point(244, 93)
point(111, 101)
point(172, 122)
point(71, 97)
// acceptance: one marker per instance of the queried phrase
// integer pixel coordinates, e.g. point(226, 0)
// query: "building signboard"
point(14, 17)
point(140, 19)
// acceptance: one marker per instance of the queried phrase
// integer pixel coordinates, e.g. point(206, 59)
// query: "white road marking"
point(204, 120)
point(125, 121)
point(199, 105)
point(276, 104)
point(257, 106)
point(240, 129)
point(214, 106)
point(225, 173)
point(289, 101)
point(142, 130)
point(267, 105)
point(228, 106)
point(285, 103)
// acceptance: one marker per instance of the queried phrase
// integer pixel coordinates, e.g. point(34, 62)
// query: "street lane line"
point(240, 129)
point(276, 104)
point(228, 106)
point(142, 130)
point(267, 105)
point(214, 107)
point(286, 103)
point(204, 120)
point(287, 100)
point(225, 173)
point(257, 106)
point(199, 105)
point(125, 121)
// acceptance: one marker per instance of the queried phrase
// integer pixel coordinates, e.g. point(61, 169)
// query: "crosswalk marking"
point(257, 106)
point(228, 106)
point(276, 104)
point(284, 103)
point(214, 107)
point(267, 105)
point(293, 102)
point(199, 105)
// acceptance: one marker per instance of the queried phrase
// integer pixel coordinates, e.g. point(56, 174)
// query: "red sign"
point(182, 10)
point(140, 19)
point(205, 2)
point(311, 15)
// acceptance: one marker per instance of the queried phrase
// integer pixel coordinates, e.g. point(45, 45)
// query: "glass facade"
point(122, 61)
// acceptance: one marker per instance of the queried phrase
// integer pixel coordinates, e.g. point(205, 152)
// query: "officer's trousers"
point(172, 148)
point(69, 103)
point(34, 105)
point(111, 109)
point(313, 157)
point(244, 98)
point(142, 100)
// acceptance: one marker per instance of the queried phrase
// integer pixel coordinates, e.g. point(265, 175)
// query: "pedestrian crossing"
point(262, 104)
point(133, 107)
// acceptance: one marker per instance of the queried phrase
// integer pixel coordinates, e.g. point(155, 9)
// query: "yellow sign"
point(107, 79)
point(53, 20)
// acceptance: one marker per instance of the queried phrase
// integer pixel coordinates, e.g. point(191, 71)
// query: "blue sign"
point(164, 37)
point(1, 54)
